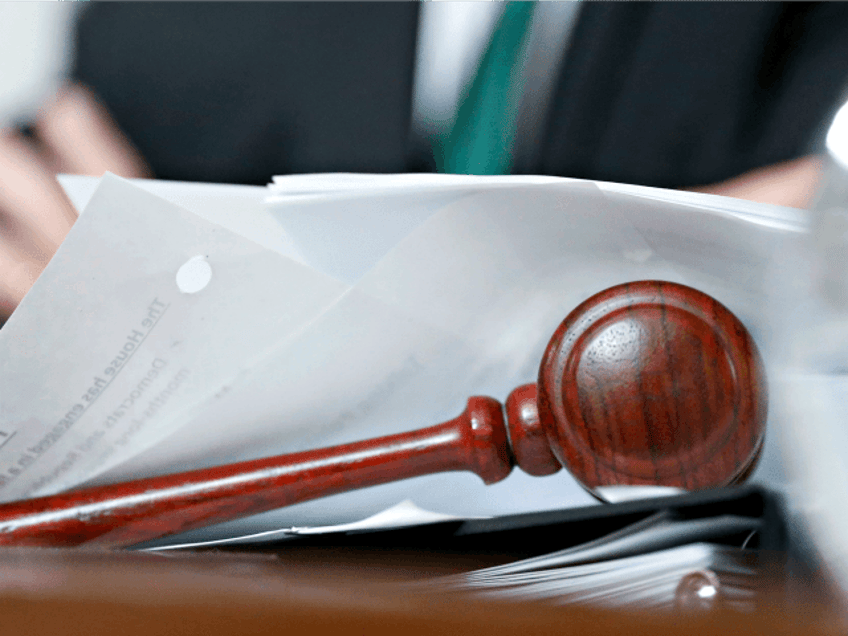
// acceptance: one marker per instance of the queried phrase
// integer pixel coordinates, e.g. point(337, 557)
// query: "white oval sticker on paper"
point(194, 275)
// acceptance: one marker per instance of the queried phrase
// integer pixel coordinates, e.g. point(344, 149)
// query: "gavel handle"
point(121, 515)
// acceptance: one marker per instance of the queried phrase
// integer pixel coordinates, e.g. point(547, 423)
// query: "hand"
point(792, 183)
point(74, 134)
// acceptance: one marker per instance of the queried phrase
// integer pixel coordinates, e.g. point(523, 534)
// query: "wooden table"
point(322, 591)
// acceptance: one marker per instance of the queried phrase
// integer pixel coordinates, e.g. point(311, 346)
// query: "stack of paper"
point(653, 581)
point(663, 561)
point(187, 325)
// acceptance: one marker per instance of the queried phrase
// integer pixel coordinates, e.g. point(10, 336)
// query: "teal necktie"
point(481, 138)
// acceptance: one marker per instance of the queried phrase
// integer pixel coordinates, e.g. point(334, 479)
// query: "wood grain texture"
point(530, 445)
point(653, 383)
point(122, 515)
point(97, 593)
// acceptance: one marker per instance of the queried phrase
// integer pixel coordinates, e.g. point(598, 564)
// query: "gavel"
point(645, 383)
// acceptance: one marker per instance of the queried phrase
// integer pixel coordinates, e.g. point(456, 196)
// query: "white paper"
point(105, 352)
point(239, 208)
point(346, 182)
point(343, 224)
point(287, 187)
point(456, 299)
point(402, 515)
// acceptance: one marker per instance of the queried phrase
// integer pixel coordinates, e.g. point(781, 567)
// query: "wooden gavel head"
point(645, 383)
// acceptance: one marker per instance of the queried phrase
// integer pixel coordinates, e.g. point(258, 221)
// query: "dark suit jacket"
point(666, 94)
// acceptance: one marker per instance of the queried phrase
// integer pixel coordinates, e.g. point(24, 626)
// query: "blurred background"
point(35, 42)
point(724, 98)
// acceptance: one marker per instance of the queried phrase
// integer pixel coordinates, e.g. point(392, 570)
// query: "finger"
point(34, 218)
point(18, 275)
point(82, 137)
point(792, 183)
point(36, 213)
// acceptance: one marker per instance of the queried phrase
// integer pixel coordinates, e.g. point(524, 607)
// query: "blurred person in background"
point(719, 97)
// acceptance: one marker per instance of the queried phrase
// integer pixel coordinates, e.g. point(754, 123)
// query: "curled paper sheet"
point(402, 515)
point(106, 351)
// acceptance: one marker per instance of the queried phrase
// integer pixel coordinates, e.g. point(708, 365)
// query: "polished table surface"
point(321, 590)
